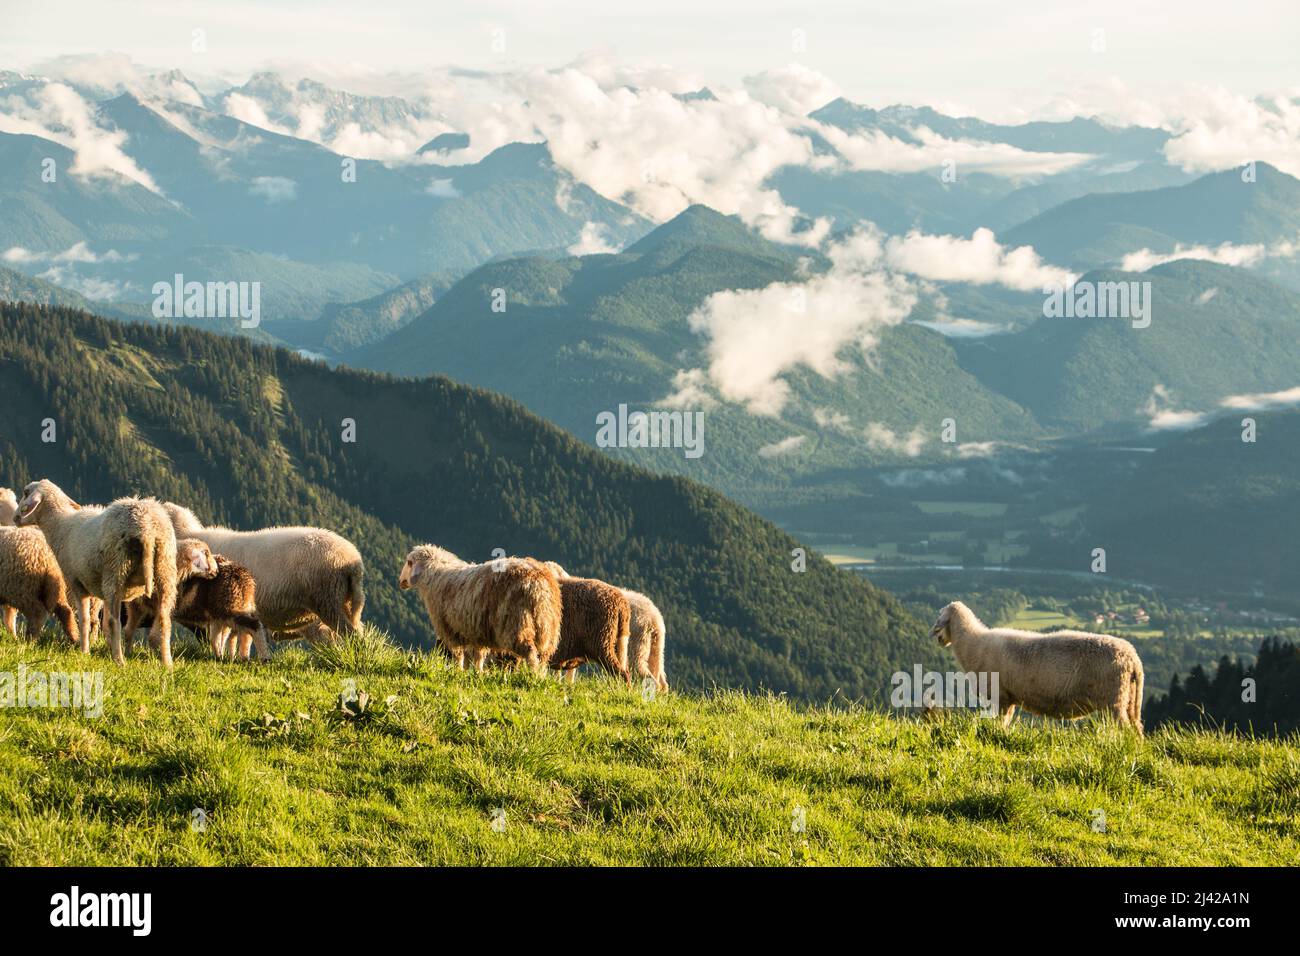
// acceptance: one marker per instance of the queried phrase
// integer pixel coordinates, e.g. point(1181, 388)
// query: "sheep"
point(121, 553)
point(1062, 674)
point(509, 605)
point(215, 593)
point(303, 575)
point(8, 508)
point(31, 582)
point(8, 512)
point(644, 642)
point(596, 625)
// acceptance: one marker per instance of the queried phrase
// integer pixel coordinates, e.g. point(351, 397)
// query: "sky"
point(999, 58)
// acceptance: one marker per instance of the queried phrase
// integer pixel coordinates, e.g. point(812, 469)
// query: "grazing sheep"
point(303, 575)
point(645, 640)
point(31, 582)
point(1063, 674)
point(510, 605)
point(120, 553)
point(219, 595)
point(645, 643)
point(596, 625)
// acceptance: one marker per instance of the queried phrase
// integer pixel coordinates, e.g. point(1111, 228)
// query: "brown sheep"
point(31, 582)
point(510, 605)
point(216, 594)
point(1064, 674)
point(596, 625)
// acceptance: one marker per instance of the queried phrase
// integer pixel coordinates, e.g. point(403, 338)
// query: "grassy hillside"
point(252, 436)
point(596, 775)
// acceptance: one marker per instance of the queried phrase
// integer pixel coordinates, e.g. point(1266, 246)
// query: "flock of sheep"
point(155, 562)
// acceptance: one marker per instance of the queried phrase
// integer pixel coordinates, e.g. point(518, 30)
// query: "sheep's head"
point(39, 498)
point(194, 559)
point(8, 507)
point(943, 626)
point(421, 560)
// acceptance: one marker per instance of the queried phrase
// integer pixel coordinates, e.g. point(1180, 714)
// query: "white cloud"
point(793, 88)
point(1263, 400)
point(1164, 417)
point(783, 447)
point(831, 420)
point(979, 260)
point(593, 240)
point(1220, 130)
point(1226, 253)
point(755, 336)
point(274, 189)
point(874, 150)
point(57, 112)
point(880, 437)
point(443, 189)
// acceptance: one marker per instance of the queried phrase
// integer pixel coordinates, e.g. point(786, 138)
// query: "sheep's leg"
point(480, 658)
point(571, 674)
point(134, 613)
point(218, 636)
point(113, 628)
point(83, 625)
point(1008, 714)
point(10, 619)
point(160, 636)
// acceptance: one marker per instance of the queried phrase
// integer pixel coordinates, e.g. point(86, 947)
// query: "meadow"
point(366, 754)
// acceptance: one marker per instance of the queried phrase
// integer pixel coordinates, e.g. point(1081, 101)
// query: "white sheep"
point(645, 644)
point(304, 576)
point(510, 606)
point(1062, 674)
point(121, 553)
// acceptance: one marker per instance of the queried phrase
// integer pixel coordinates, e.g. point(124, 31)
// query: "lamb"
point(31, 582)
point(1063, 674)
point(596, 625)
point(124, 552)
point(510, 605)
point(214, 593)
point(645, 640)
point(302, 575)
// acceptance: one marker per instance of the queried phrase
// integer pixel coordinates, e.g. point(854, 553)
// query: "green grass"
point(593, 774)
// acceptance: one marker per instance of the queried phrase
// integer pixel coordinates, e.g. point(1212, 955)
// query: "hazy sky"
point(985, 54)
